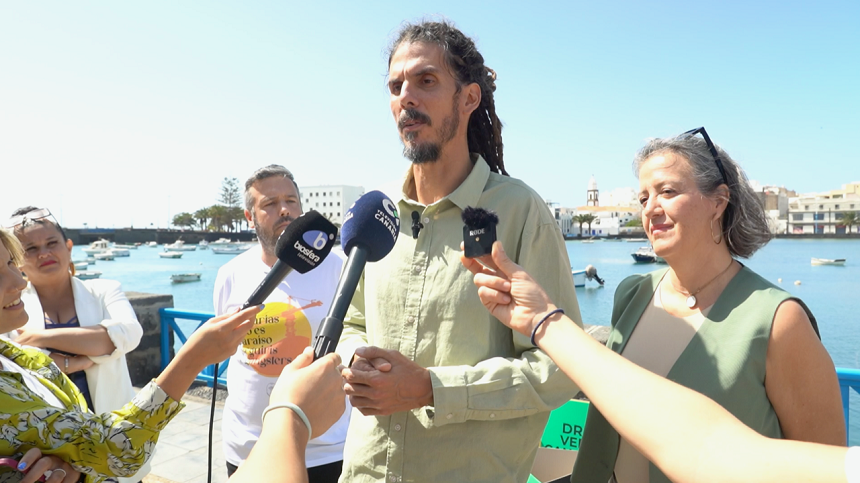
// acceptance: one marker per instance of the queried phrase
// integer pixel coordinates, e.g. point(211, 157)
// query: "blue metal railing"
point(848, 378)
point(168, 320)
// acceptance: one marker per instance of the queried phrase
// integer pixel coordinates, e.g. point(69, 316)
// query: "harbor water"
point(829, 291)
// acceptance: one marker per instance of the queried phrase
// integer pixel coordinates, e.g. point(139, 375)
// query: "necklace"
point(691, 296)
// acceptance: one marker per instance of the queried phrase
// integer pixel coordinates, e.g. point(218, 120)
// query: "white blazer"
point(100, 302)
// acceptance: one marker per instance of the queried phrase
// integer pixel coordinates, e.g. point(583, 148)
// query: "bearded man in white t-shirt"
point(283, 328)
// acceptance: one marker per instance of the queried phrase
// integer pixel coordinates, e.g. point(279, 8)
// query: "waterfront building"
point(331, 201)
point(775, 200)
point(613, 209)
point(611, 220)
point(564, 217)
point(823, 213)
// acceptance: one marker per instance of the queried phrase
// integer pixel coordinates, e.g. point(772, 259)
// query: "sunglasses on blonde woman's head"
point(34, 215)
point(711, 148)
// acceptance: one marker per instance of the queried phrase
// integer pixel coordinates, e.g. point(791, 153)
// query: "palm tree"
point(579, 219)
point(202, 216)
point(850, 219)
point(218, 217)
point(586, 218)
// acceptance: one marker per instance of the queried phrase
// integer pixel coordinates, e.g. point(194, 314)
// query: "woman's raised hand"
point(508, 292)
point(219, 336)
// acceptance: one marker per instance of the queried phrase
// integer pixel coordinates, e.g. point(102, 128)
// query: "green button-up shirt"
point(492, 389)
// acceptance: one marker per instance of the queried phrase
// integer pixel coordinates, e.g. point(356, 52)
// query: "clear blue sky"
point(120, 113)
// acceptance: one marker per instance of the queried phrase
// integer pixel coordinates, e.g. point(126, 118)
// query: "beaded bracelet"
point(296, 409)
point(550, 314)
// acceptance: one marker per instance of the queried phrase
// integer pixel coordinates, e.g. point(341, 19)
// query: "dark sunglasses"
point(711, 148)
point(34, 215)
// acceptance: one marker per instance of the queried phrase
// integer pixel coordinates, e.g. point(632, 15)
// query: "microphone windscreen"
point(372, 221)
point(306, 241)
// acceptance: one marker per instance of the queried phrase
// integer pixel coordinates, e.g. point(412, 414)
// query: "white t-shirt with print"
point(283, 329)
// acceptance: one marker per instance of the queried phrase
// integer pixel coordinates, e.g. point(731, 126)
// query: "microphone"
point(479, 231)
point(369, 231)
point(416, 224)
point(302, 246)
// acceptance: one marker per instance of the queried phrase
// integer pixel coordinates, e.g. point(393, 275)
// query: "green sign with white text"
point(566, 426)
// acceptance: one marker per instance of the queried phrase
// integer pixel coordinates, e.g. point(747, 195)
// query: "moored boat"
point(170, 254)
point(644, 255)
point(98, 246)
point(80, 266)
point(180, 246)
point(828, 261)
point(88, 274)
point(104, 256)
point(588, 273)
point(185, 277)
point(230, 250)
point(119, 252)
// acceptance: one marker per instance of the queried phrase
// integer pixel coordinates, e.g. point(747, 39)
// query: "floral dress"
point(101, 446)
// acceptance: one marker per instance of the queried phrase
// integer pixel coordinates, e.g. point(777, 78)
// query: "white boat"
point(119, 252)
point(636, 240)
point(578, 278)
point(104, 256)
point(126, 247)
point(203, 245)
point(151, 244)
point(170, 254)
point(91, 259)
point(80, 266)
point(588, 273)
point(185, 277)
point(222, 241)
point(98, 246)
point(230, 250)
point(644, 255)
point(88, 274)
point(828, 261)
point(180, 246)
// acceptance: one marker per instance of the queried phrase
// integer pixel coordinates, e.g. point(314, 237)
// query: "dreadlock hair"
point(467, 65)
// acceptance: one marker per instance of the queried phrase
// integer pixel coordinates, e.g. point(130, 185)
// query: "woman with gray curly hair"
point(708, 322)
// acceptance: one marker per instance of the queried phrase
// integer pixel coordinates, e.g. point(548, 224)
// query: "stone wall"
point(144, 363)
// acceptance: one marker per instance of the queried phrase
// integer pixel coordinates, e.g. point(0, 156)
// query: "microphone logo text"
point(307, 252)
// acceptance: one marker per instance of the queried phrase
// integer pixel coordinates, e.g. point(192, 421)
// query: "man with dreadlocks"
point(447, 392)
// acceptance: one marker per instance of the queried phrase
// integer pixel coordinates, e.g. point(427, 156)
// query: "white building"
point(610, 220)
point(613, 210)
point(564, 217)
point(822, 213)
point(331, 201)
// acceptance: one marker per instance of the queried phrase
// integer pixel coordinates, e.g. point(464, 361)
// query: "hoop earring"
point(716, 239)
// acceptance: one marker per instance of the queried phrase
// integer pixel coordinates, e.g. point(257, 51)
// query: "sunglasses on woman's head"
point(34, 215)
point(711, 148)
